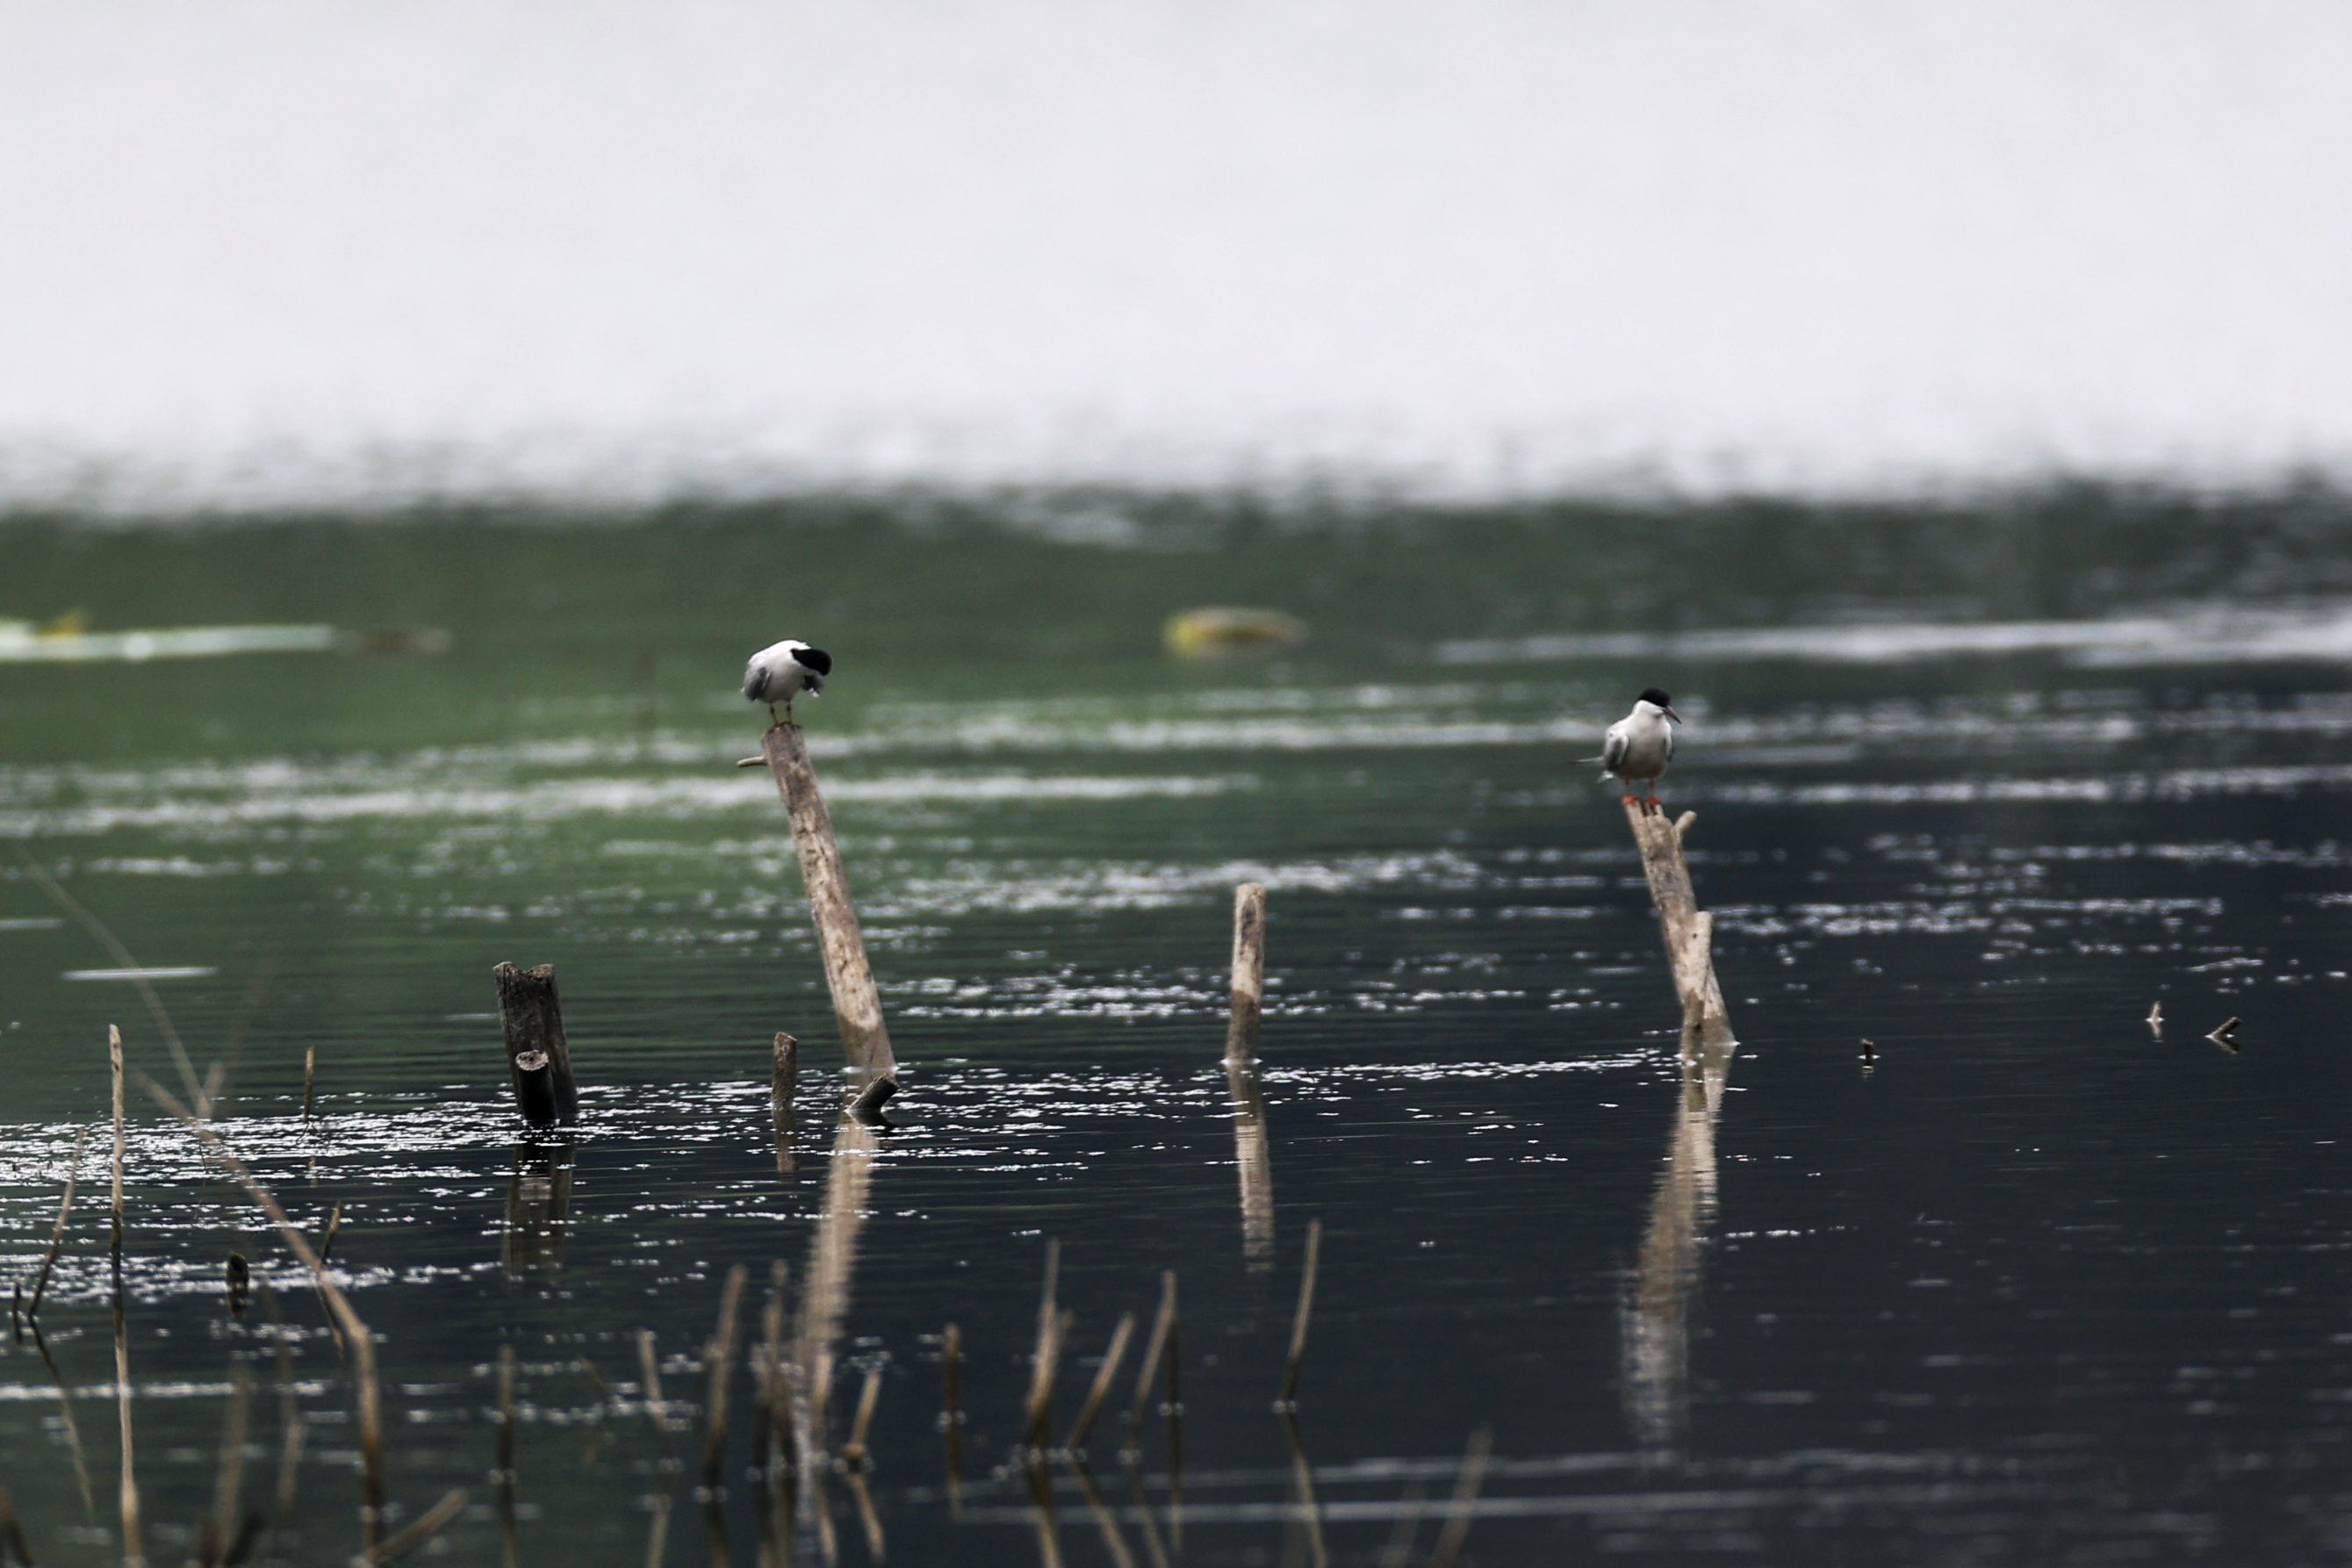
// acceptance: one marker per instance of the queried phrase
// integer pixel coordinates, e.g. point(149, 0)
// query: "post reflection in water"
point(1252, 1162)
point(538, 1205)
point(1655, 1317)
point(824, 1302)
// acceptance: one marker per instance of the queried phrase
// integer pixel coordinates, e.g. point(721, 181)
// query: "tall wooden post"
point(857, 1004)
point(539, 1059)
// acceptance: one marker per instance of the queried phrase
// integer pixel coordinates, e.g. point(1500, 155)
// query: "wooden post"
point(114, 1064)
point(1688, 931)
point(857, 1004)
point(1249, 972)
point(539, 1059)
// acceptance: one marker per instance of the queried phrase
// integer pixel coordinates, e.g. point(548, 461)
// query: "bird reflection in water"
point(1655, 1317)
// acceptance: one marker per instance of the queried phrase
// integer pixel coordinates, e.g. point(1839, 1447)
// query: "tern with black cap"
point(1640, 745)
point(783, 672)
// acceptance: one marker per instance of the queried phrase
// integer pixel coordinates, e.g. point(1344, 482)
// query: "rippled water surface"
point(2041, 1282)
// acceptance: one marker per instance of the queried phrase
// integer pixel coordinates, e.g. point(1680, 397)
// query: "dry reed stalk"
point(1114, 1539)
point(1041, 1511)
point(657, 1533)
point(289, 1460)
point(1302, 1487)
point(1152, 1547)
point(1289, 1399)
point(505, 1465)
point(779, 1410)
point(1249, 973)
point(1104, 1376)
point(1037, 1429)
point(65, 1421)
point(435, 1519)
point(718, 1359)
point(872, 1521)
point(855, 1453)
point(720, 1549)
point(290, 1422)
point(649, 1373)
point(821, 1514)
point(1398, 1552)
point(114, 1072)
point(1465, 1500)
point(361, 1342)
point(1164, 1327)
point(134, 1551)
point(334, 1224)
point(214, 1539)
point(309, 1077)
point(57, 1232)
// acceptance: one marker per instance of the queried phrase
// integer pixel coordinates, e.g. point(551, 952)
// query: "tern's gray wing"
point(755, 680)
point(1613, 748)
point(1670, 744)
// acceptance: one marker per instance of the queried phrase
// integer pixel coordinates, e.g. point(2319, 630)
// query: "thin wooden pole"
point(1249, 973)
point(1163, 1332)
point(114, 1069)
point(538, 1058)
point(1465, 1505)
point(718, 1358)
point(1104, 1375)
point(219, 1533)
point(1037, 1431)
point(134, 1549)
point(856, 1004)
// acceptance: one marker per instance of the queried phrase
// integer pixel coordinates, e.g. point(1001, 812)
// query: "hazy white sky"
point(263, 249)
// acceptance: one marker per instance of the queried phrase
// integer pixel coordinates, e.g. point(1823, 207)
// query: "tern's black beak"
point(1672, 714)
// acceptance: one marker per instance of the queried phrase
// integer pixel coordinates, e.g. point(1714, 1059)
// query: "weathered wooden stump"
point(539, 1061)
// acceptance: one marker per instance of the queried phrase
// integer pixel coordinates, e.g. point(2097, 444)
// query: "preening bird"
point(781, 673)
point(1639, 746)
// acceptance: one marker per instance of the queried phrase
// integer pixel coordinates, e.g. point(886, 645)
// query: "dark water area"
point(2037, 1283)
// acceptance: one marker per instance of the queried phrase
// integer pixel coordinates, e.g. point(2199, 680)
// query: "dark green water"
point(2041, 1287)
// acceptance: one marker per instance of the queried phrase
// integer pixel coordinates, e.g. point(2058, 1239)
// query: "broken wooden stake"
point(856, 1004)
point(538, 1058)
point(1249, 973)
